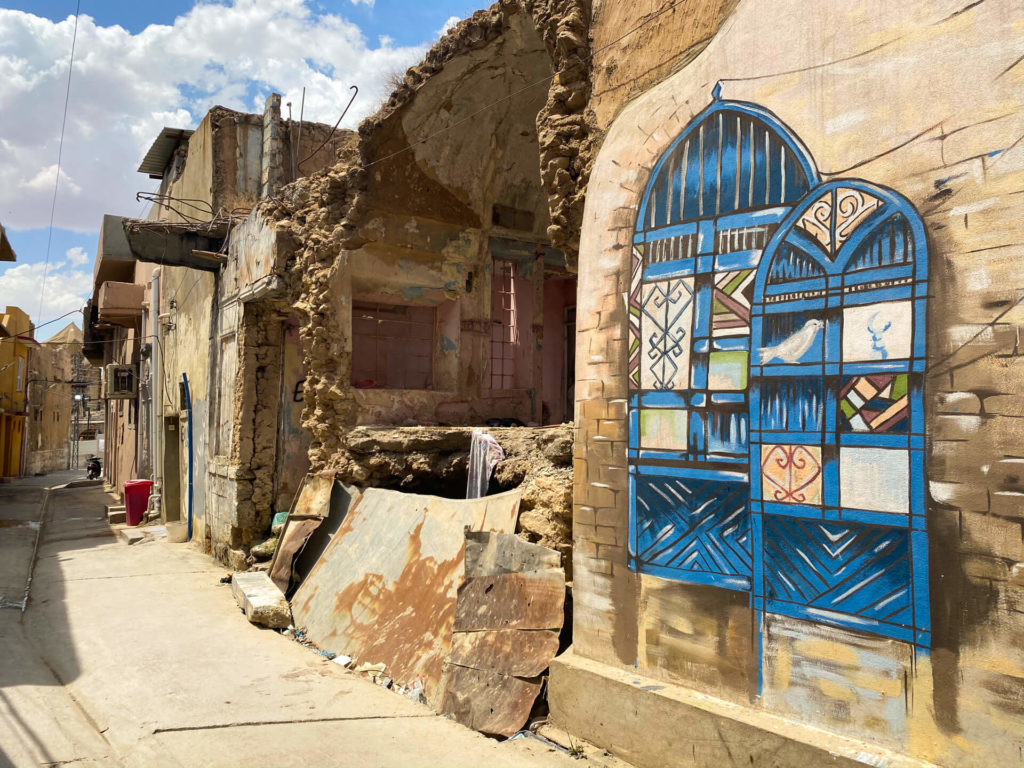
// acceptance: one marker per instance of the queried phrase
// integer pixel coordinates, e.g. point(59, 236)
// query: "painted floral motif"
point(791, 474)
point(834, 216)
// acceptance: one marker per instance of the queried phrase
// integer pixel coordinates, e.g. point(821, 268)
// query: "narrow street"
point(137, 655)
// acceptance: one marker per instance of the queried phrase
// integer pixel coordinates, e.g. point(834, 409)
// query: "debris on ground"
point(264, 550)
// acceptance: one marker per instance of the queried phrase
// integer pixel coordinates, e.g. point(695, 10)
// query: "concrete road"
point(137, 656)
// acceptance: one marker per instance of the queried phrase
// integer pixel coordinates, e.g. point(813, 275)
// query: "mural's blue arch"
point(893, 203)
point(790, 140)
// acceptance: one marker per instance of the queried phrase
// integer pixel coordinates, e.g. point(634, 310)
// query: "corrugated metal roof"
point(160, 152)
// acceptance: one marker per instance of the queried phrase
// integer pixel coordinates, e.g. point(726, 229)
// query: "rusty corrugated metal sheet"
point(385, 588)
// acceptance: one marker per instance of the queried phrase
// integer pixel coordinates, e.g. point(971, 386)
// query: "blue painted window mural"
point(775, 372)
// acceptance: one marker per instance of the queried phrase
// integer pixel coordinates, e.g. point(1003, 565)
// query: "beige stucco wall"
point(925, 99)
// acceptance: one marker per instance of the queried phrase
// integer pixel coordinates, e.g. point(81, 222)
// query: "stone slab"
point(261, 600)
point(637, 718)
point(116, 515)
point(131, 535)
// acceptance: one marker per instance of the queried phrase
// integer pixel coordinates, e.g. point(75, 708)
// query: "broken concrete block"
point(131, 535)
point(261, 600)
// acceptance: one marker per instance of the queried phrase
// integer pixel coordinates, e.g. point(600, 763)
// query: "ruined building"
point(768, 266)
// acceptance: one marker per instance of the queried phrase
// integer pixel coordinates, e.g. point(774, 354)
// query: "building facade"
point(16, 344)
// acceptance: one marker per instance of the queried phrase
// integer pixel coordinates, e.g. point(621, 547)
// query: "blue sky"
point(141, 65)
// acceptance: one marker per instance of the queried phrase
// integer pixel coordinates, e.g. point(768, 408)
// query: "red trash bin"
point(136, 499)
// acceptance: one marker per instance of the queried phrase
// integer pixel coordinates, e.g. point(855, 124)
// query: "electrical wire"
point(60, 153)
point(48, 322)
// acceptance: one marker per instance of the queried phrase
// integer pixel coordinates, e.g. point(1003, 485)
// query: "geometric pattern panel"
point(666, 316)
point(875, 479)
point(791, 474)
point(701, 526)
point(634, 317)
point(855, 569)
point(877, 402)
point(730, 309)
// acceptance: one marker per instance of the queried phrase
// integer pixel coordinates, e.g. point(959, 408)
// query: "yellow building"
point(15, 342)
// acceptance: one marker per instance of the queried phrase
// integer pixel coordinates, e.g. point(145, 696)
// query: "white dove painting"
point(791, 349)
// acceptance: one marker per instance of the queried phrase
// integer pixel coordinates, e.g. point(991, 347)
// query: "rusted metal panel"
point(385, 588)
point(314, 496)
point(524, 653)
point(293, 537)
point(512, 601)
point(507, 626)
point(487, 701)
point(489, 554)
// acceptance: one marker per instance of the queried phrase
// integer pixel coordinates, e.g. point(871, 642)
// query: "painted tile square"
point(665, 325)
point(663, 429)
point(791, 474)
point(875, 479)
point(728, 370)
point(875, 403)
point(730, 307)
point(881, 331)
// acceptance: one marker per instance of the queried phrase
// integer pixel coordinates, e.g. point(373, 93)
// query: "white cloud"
point(448, 25)
point(67, 289)
point(125, 87)
point(77, 256)
point(43, 181)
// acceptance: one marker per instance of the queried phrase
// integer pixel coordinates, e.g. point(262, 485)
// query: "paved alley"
point(137, 655)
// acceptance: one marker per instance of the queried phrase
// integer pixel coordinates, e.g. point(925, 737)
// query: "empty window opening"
point(504, 327)
point(392, 346)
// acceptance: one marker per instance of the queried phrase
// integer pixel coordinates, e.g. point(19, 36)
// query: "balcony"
point(120, 303)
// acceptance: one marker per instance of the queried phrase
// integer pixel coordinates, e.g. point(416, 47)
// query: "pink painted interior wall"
point(558, 294)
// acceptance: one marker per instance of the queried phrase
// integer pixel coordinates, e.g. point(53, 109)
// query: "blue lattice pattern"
point(859, 570)
point(695, 527)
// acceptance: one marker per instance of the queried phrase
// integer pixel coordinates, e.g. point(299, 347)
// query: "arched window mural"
point(775, 372)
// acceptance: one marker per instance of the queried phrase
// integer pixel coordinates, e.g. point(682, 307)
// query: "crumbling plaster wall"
point(924, 99)
point(336, 218)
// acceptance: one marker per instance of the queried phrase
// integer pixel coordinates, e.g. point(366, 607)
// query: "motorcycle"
point(93, 468)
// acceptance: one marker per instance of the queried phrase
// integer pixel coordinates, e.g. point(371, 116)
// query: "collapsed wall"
point(434, 460)
point(325, 214)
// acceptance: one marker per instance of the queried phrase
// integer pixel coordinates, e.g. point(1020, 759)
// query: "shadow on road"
point(32, 540)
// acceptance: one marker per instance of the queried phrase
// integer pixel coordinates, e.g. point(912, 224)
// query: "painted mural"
point(776, 361)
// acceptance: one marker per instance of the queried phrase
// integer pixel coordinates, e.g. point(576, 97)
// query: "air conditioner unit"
point(120, 382)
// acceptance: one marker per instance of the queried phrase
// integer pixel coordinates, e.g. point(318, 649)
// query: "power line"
point(60, 153)
point(48, 322)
